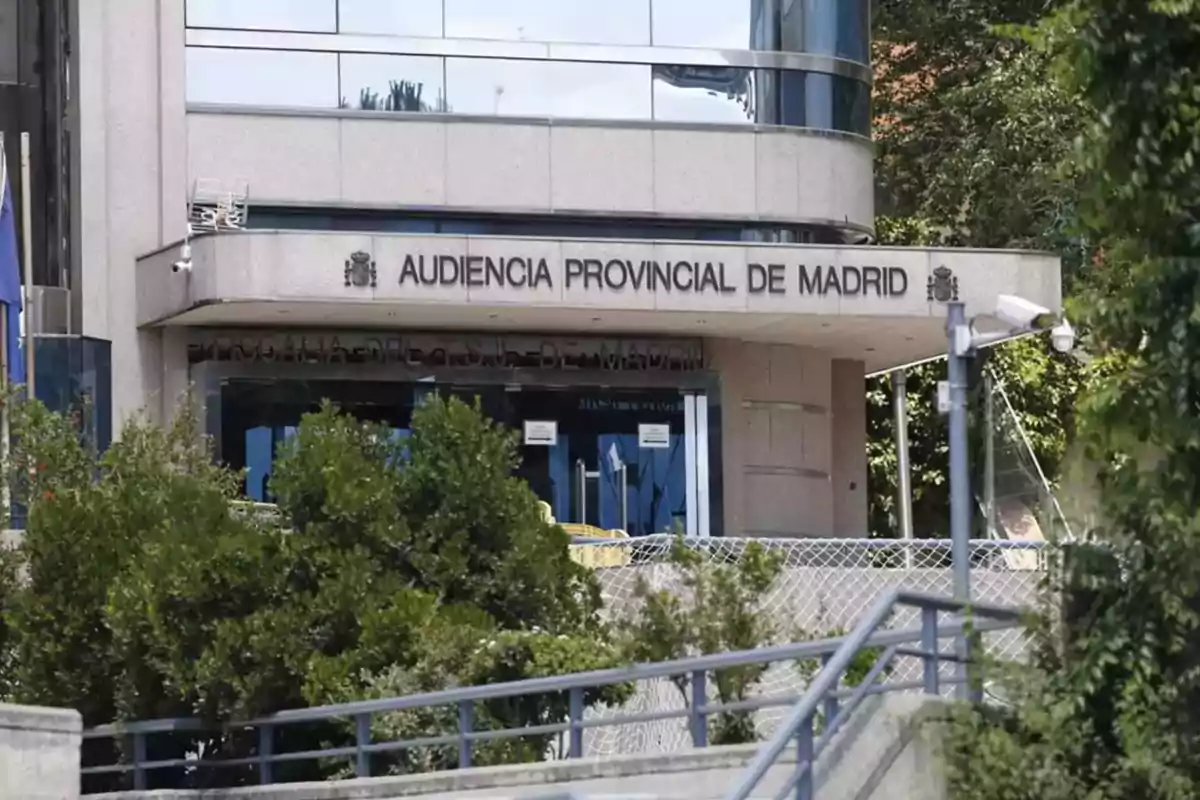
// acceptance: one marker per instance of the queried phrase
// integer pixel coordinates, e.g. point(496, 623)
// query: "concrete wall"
point(39, 753)
point(358, 160)
point(132, 193)
point(776, 439)
point(848, 461)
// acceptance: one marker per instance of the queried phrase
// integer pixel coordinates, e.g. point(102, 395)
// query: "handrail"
point(799, 724)
point(837, 650)
point(866, 544)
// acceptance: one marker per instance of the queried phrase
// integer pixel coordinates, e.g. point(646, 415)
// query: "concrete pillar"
point(39, 752)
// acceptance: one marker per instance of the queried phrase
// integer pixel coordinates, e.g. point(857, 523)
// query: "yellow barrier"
point(596, 556)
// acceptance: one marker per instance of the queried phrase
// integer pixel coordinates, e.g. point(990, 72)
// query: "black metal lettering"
point(448, 270)
point(593, 269)
point(832, 283)
point(473, 270)
point(549, 356)
point(517, 272)
point(542, 275)
point(337, 353)
point(811, 284)
point(683, 266)
point(574, 269)
point(409, 270)
point(851, 281)
point(726, 286)
point(636, 276)
point(756, 278)
point(872, 278)
point(776, 278)
point(662, 275)
point(622, 276)
point(494, 270)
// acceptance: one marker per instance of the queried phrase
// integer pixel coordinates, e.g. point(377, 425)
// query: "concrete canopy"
point(871, 304)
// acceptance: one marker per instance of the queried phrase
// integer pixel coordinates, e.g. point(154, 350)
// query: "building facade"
point(638, 231)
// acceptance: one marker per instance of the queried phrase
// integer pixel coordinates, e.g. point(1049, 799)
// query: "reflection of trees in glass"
point(401, 96)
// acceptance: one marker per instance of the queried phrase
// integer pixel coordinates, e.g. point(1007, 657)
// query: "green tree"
point(716, 607)
point(151, 594)
point(974, 149)
point(1112, 709)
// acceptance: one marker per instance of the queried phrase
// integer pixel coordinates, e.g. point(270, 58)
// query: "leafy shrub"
point(718, 610)
point(151, 595)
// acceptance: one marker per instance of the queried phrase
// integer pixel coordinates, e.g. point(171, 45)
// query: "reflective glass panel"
point(391, 17)
point(580, 21)
point(600, 91)
point(272, 15)
point(839, 28)
point(262, 77)
point(726, 24)
point(831, 102)
point(704, 94)
point(548, 89)
point(392, 83)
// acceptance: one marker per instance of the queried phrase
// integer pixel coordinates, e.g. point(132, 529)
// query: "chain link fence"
point(824, 587)
point(1016, 498)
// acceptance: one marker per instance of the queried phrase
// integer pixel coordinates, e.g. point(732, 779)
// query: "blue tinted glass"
point(260, 452)
point(830, 102)
point(386, 224)
point(466, 227)
point(838, 28)
point(267, 221)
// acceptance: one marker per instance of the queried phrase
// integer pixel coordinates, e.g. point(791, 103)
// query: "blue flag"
point(10, 279)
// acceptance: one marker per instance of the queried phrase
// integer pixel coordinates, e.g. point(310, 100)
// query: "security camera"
point(184, 264)
point(1062, 336)
point(1021, 313)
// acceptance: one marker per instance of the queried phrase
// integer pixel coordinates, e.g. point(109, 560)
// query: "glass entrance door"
point(627, 459)
point(620, 459)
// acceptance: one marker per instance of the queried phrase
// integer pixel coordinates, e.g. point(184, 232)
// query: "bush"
point(719, 610)
point(151, 595)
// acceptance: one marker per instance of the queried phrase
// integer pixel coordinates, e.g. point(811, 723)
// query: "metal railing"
point(836, 653)
point(821, 698)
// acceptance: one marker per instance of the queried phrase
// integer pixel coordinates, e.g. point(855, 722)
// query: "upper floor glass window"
point(315, 219)
point(389, 17)
point(548, 89)
point(523, 88)
point(723, 24)
point(308, 16)
point(826, 27)
point(839, 28)
point(262, 77)
point(623, 22)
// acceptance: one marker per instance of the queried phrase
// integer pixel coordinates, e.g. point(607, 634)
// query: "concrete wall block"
point(787, 504)
point(39, 753)
point(848, 438)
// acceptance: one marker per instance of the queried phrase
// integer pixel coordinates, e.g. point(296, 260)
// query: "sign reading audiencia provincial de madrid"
point(682, 276)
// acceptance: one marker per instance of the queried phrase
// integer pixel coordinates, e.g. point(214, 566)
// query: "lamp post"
point(1023, 317)
point(960, 471)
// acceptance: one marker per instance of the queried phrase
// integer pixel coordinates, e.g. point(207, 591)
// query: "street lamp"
point(1022, 317)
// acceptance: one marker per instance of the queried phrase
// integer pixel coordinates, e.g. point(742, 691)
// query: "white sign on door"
point(542, 432)
point(654, 436)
